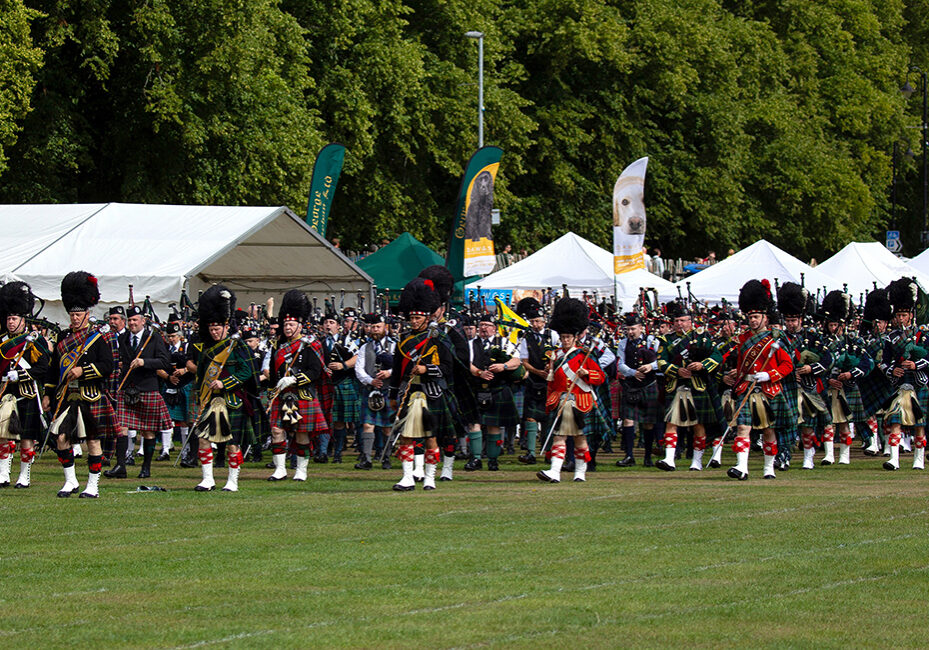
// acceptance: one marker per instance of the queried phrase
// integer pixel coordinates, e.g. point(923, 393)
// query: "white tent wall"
point(258, 251)
point(860, 264)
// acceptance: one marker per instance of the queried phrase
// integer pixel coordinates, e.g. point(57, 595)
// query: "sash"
point(73, 348)
point(754, 353)
point(214, 369)
point(285, 353)
point(10, 349)
point(413, 350)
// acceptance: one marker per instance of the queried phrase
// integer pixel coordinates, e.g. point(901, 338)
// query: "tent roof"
point(760, 260)
point(920, 262)
point(158, 247)
point(392, 266)
point(574, 261)
point(861, 264)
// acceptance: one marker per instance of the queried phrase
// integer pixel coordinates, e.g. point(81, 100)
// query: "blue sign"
point(506, 295)
point(893, 244)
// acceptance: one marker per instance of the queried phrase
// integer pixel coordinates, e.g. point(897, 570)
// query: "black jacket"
point(155, 355)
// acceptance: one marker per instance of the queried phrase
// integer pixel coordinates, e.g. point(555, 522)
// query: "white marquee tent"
point(580, 264)
point(761, 260)
point(920, 262)
point(860, 264)
point(257, 251)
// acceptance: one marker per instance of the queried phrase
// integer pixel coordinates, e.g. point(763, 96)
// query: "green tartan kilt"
point(789, 389)
point(922, 396)
point(533, 404)
point(875, 390)
point(178, 410)
point(598, 421)
point(502, 411)
point(646, 410)
point(707, 404)
point(346, 403)
point(240, 427)
point(443, 423)
point(383, 418)
point(853, 397)
point(821, 420)
point(784, 416)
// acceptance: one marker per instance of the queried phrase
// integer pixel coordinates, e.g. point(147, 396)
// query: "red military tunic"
point(762, 352)
point(583, 400)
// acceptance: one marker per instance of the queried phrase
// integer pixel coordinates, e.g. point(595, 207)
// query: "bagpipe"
point(383, 360)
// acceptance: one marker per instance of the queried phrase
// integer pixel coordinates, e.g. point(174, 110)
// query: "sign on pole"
point(894, 245)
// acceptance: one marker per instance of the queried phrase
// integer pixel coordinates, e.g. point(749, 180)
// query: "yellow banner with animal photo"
point(629, 218)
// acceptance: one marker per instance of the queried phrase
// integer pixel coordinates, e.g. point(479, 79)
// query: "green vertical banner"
point(325, 178)
point(471, 245)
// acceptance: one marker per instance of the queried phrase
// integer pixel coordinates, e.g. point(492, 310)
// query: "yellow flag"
point(507, 315)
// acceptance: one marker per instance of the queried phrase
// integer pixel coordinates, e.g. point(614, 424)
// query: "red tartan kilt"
point(312, 418)
point(150, 414)
point(105, 417)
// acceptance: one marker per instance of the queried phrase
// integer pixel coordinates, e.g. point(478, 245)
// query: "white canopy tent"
point(761, 260)
point(860, 264)
point(581, 265)
point(258, 252)
point(920, 262)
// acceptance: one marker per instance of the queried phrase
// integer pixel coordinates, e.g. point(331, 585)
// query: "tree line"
point(761, 118)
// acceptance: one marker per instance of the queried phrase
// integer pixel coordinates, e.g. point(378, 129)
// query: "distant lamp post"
point(893, 183)
point(907, 91)
point(480, 85)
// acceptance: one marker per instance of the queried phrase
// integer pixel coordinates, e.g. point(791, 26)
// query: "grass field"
point(835, 557)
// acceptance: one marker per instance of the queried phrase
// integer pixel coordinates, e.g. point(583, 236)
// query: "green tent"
point(398, 262)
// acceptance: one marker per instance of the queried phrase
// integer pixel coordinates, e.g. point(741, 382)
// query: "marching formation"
point(783, 371)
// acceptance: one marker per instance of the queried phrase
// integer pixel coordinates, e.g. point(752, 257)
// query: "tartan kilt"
point(105, 417)
point(502, 411)
point(533, 404)
point(784, 416)
point(820, 421)
point(240, 427)
point(598, 422)
point(383, 418)
point(519, 396)
point(922, 396)
point(646, 411)
point(855, 405)
point(441, 414)
point(790, 390)
point(875, 390)
point(179, 411)
point(312, 419)
point(346, 403)
point(150, 414)
point(616, 398)
point(707, 405)
point(27, 410)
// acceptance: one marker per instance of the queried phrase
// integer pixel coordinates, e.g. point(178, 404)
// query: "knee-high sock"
point(476, 443)
point(532, 434)
point(338, 440)
point(166, 439)
point(367, 443)
point(184, 432)
point(628, 440)
point(650, 435)
point(148, 450)
point(494, 445)
point(322, 444)
point(122, 449)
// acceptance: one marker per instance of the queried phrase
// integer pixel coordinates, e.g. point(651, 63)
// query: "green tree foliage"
point(761, 118)
point(19, 61)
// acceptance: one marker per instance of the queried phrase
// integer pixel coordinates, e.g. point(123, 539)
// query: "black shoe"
point(145, 472)
point(544, 477)
point(825, 462)
point(105, 462)
point(460, 455)
point(85, 495)
point(187, 462)
point(769, 476)
point(527, 459)
point(569, 466)
point(628, 461)
point(732, 472)
point(130, 461)
point(661, 464)
point(320, 458)
point(510, 450)
point(20, 486)
point(473, 464)
point(117, 472)
point(5, 484)
point(164, 456)
point(492, 465)
point(269, 465)
point(778, 466)
point(386, 464)
point(715, 463)
point(200, 488)
point(648, 463)
point(592, 466)
point(890, 466)
point(64, 494)
point(403, 488)
point(363, 463)
point(337, 458)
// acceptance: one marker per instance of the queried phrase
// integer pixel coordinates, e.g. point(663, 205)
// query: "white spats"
point(406, 482)
point(300, 473)
point(768, 466)
point(25, 474)
point(845, 454)
point(717, 458)
point(696, 464)
point(893, 463)
point(93, 482)
point(808, 454)
point(580, 470)
point(232, 481)
point(448, 468)
point(418, 464)
point(553, 474)
point(207, 483)
point(6, 462)
point(429, 476)
point(919, 458)
point(71, 485)
point(829, 453)
point(280, 467)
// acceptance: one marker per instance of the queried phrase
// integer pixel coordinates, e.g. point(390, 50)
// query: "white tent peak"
point(860, 264)
point(761, 260)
